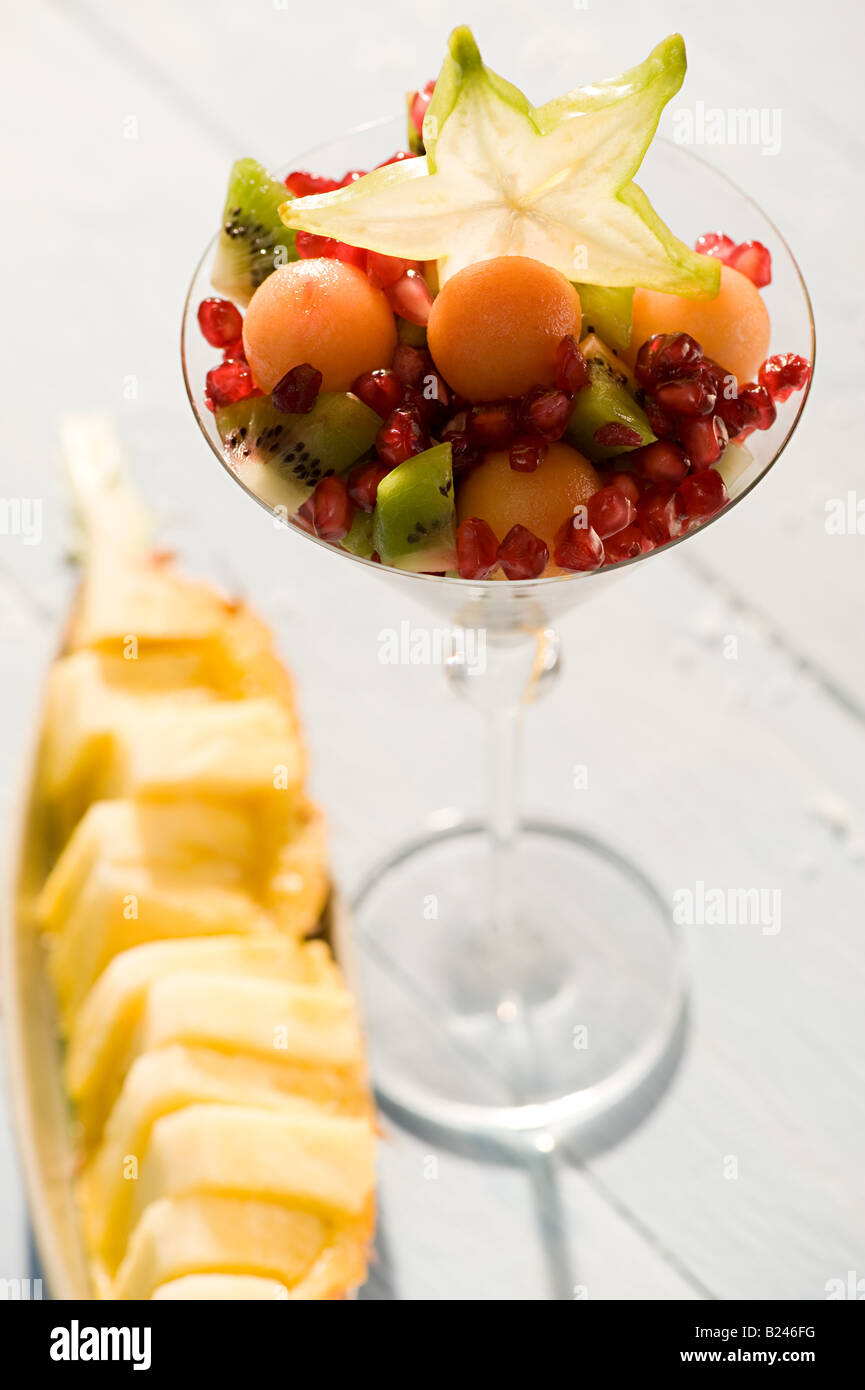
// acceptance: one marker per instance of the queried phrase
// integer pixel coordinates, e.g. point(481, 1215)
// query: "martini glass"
point(523, 978)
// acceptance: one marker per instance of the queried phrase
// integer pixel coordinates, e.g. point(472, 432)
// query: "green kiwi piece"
point(358, 538)
point(607, 312)
point(607, 399)
point(253, 241)
point(412, 333)
point(414, 525)
point(281, 457)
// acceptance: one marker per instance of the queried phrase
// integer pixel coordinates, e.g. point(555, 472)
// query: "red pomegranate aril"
point(303, 517)
point(753, 259)
point(547, 412)
point(609, 510)
point(661, 462)
point(715, 244)
point(229, 382)
point(298, 390)
point(736, 414)
point(760, 405)
point(572, 371)
point(659, 514)
point(626, 545)
point(302, 184)
point(410, 297)
point(687, 396)
point(527, 452)
point(401, 436)
point(704, 439)
point(626, 483)
point(783, 374)
point(644, 367)
point(219, 321)
point(464, 454)
point(352, 177)
point(396, 158)
point(411, 364)
point(703, 494)
point(420, 102)
point(675, 354)
point(523, 555)
point(577, 547)
point(332, 509)
point(351, 255)
point(311, 247)
point(363, 481)
point(492, 426)
point(663, 422)
point(477, 549)
point(234, 352)
point(384, 270)
point(381, 390)
point(617, 435)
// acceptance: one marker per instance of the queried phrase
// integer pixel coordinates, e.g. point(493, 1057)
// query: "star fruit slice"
point(501, 177)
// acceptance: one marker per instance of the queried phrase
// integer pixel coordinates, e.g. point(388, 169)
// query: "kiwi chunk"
point(414, 525)
point(358, 538)
point(607, 312)
point(253, 241)
point(281, 457)
point(606, 400)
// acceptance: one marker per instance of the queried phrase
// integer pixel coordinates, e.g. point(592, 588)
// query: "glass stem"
point(504, 749)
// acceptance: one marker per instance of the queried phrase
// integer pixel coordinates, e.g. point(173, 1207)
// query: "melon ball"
point(733, 328)
point(324, 312)
point(494, 327)
point(541, 501)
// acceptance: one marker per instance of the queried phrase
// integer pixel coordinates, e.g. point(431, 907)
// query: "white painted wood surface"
point(743, 772)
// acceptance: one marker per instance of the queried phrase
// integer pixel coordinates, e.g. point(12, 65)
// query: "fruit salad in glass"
point(489, 358)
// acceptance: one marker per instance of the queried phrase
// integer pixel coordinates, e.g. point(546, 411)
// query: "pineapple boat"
point(204, 1130)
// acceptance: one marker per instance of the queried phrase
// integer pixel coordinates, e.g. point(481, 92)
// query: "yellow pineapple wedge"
point(202, 1288)
point(102, 1040)
point(164, 1081)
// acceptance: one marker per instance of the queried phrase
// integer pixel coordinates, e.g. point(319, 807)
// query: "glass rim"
point(543, 581)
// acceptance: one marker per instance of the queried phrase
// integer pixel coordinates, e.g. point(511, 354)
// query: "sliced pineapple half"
point(201, 1288)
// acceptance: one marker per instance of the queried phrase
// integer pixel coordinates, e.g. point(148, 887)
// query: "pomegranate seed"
point(626, 545)
point(410, 297)
point(715, 244)
point(663, 422)
point(455, 425)
point(219, 321)
point(661, 462)
point(577, 547)
point(523, 555)
point(464, 454)
point(477, 549)
point(614, 435)
point(381, 390)
point(675, 355)
point(311, 247)
point(659, 514)
point(332, 509)
point(753, 259)
point(626, 483)
point(401, 436)
point(363, 481)
point(298, 390)
point(736, 414)
point(384, 270)
point(527, 451)
point(396, 158)
point(783, 374)
point(302, 184)
point(703, 494)
point(303, 517)
point(234, 352)
point(688, 396)
point(572, 372)
point(229, 382)
point(352, 177)
point(644, 367)
point(609, 510)
point(547, 412)
point(759, 403)
point(494, 425)
point(351, 255)
point(411, 364)
point(419, 105)
point(704, 440)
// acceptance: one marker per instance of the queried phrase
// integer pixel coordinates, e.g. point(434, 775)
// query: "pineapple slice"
point(203, 1288)
point(164, 1081)
point(312, 1161)
point(297, 890)
point(102, 1036)
point(197, 1235)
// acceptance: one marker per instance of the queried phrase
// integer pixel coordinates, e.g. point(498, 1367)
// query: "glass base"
point(539, 1034)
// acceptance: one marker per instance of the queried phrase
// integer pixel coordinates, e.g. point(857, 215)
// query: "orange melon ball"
point(494, 327)
point(540, 501)
point(324, 312)
point(733, 328)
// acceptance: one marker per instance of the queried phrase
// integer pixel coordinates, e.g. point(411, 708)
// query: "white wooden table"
point(119, 123)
